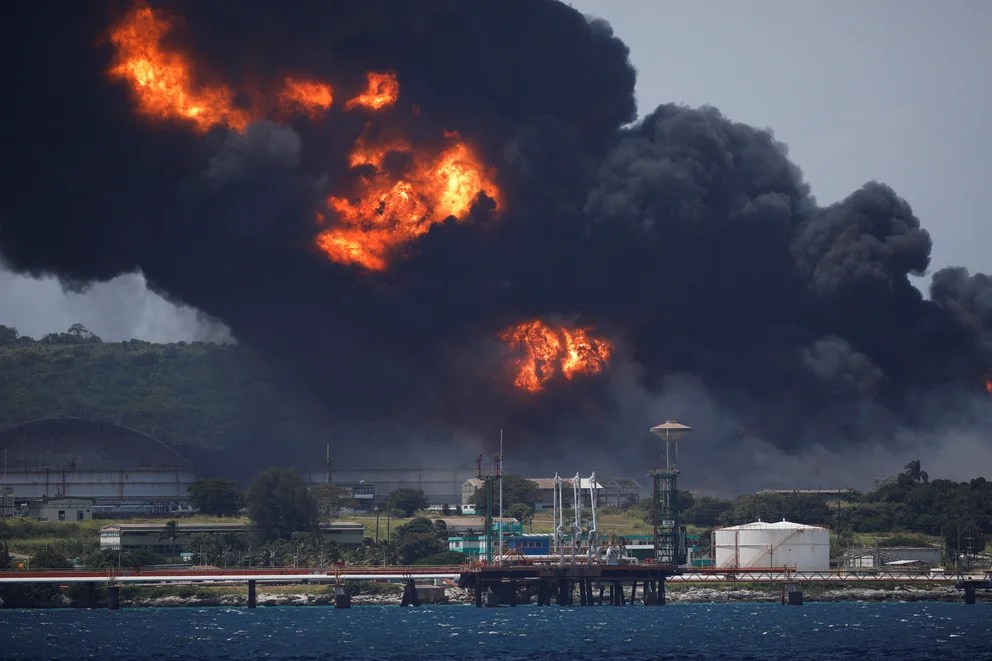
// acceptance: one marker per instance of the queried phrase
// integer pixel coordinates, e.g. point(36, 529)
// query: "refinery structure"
point(108, 465)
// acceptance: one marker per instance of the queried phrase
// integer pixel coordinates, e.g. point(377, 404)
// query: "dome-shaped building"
point(74, 457)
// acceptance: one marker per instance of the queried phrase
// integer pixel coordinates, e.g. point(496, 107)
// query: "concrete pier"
point(252, 595)
point(559, 583)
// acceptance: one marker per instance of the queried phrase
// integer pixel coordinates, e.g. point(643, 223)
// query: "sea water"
point(850, 630)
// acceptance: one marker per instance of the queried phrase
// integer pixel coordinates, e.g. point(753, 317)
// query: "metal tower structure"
point(669, 540)
point(491, 485)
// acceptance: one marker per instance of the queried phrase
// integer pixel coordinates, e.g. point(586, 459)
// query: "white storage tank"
point(782, 544)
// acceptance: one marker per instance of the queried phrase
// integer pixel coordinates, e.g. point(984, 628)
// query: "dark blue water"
point(695, 631)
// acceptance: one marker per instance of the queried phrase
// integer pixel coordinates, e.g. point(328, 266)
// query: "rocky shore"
point(695, 594)
point(676, 595)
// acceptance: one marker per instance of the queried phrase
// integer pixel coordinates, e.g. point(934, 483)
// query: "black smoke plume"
point(691, 241)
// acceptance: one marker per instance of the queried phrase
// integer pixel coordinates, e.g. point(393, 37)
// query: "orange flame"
point(387, 210)
point(382, 91)
point(162, 81)
point(310, 97)
point(988, 385)
point(546, 352)
point(390, 211)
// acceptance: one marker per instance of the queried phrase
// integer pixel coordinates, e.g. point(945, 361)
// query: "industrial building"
point(764, 545)
point(151, 537)
point(61, 509)
point(895, 557)
point(372, 486)
point(104, 462)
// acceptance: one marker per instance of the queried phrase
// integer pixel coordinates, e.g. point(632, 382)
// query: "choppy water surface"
point(693, 631)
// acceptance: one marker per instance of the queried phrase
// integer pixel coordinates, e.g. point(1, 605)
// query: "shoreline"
point(463, 597)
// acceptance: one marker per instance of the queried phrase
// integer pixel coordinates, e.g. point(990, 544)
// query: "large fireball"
point(545, 352)
point(390, 210)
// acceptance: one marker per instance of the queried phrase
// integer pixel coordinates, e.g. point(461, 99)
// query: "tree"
point(171, 530)
point(444, 558)
point(330, 500)
point(407, 500)
point(708, 511)
point(914, 472)
point(217, 497)
point(418, 539)
point(280, 504)
point(8, 335)
point(46, 558)
point(516, 490)
point(522, 513)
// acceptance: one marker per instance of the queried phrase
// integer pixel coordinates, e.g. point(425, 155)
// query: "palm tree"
point(915, 473)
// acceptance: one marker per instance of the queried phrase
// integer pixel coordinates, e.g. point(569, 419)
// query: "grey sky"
point(894, 91)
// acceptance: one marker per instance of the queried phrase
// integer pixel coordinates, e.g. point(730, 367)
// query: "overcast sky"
point(896, 91)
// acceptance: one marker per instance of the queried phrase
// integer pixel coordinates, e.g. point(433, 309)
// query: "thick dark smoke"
point(735, 301)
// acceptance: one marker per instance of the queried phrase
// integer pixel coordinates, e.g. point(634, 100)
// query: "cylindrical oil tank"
point(781, 544)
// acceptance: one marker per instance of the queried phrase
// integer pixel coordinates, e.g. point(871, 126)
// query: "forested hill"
point(192, 395)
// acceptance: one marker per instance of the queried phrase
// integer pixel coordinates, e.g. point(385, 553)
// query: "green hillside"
point(189, 394)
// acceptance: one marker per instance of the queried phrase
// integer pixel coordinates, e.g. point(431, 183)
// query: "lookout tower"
point(669, 537)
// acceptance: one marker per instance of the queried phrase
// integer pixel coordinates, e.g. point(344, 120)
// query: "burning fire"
point(162, 81)
point(391, 210)
point(382, 91)
point(988, 385)
point(545, 352)
point(309, 97)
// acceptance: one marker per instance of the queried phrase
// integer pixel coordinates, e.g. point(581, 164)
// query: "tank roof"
point(81, 444)
point(777, 525)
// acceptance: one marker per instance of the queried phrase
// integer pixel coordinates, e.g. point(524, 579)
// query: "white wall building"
point(781, 544)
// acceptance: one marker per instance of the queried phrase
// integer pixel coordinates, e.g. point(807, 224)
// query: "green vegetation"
point(330, 500)
point(217, 497)
point(407, 501)
point(196, 394)
point(279, 504)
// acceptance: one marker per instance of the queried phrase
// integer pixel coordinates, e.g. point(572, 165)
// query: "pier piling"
point(410, 596)
point(113, 597)
point(252, 595)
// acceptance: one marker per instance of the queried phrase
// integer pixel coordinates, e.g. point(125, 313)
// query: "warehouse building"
point(106, 463)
